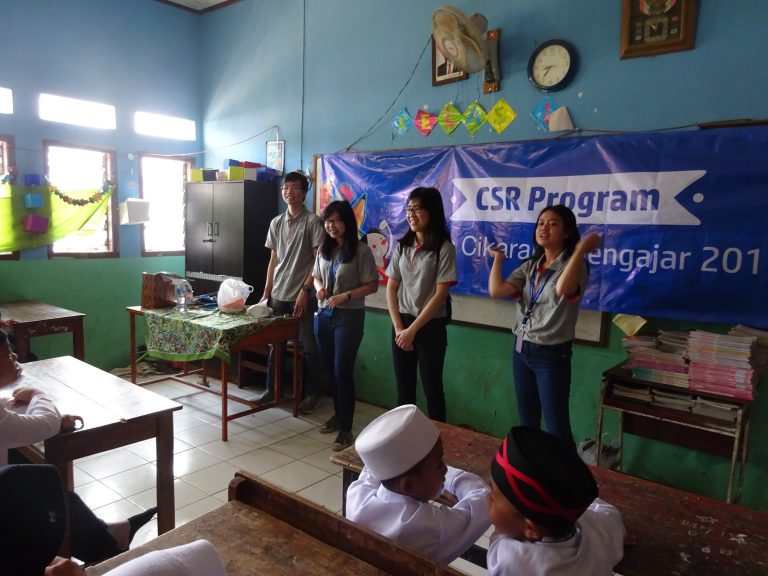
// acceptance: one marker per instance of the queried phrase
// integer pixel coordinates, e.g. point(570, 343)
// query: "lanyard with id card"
point(535, 293)
point(333, 270)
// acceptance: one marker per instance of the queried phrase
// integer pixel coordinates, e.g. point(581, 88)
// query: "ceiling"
point(199, 6)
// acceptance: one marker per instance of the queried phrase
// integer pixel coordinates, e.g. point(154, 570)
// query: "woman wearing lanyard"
point(422, 269)
point(547, 287)
point(344, 274)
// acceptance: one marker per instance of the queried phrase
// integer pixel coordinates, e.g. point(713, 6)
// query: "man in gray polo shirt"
point(293, 238)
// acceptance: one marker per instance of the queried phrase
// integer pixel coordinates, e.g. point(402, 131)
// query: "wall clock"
point(552, 65)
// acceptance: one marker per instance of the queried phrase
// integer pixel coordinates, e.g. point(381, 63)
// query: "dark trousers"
point(89, 539)
point(338, 337)
point(428, 355)
point(543, 385)
point(312, 359)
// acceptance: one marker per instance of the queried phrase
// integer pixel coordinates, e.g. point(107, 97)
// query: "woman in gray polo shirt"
point(547, 287)
point(422, 269)
point(344, 274)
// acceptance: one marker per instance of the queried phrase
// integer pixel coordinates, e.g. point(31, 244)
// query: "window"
point(75, 171)
point(75, 111)
point(6, 161)
point(162, 183)
point(6, 102)
point(164, 126)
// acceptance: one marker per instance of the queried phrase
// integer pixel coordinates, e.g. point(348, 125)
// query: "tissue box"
point(35, 223)
point(33, 180)
point(33, 201)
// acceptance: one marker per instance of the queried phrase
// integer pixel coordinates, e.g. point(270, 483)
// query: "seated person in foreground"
point(545, 509)
point(28, 417)
point(34, 520)
point(404, 469)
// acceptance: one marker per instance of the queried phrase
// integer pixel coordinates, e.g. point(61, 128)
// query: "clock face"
point(552, 65)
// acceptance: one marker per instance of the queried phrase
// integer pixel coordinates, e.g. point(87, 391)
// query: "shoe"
point(309, 404)
point(331, 425)
point(343, 440)
point(265, 398)
point(137, 521)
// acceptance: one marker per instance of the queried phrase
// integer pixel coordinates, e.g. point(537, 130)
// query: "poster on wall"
point(681, 214)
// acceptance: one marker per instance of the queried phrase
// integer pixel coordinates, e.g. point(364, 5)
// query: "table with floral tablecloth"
point(197, 334)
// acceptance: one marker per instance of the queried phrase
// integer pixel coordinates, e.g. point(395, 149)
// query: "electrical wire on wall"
point(407, 82)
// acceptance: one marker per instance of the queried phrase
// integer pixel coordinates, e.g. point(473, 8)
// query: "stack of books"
point(660, 359)
point(724, 364)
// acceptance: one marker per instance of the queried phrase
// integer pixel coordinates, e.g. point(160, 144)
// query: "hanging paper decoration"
point(33, 180)
point(501, 115)
point(425, 121)
point(402, 122)
point(94, 198)
point(474, 117)
point(449, 118)
point(36, 224)
point(542, 111)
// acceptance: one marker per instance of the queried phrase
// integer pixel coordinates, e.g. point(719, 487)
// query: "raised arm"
point(497, 286)
point(568, 283)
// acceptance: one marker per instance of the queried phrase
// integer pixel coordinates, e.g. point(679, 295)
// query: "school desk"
point(676, 532)
point(40, 319)
point(265, 530)
point(115, 413)
point(205, 334)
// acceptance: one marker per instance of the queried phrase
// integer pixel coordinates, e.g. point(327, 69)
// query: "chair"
point(256, 358)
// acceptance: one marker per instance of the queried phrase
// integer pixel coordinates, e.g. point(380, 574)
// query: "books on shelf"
point(724, 364)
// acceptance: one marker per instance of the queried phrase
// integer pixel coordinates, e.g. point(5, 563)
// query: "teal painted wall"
point(323, 72)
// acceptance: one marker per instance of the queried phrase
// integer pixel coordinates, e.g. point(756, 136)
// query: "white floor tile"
point(110, 463)
point(81, 477)
point(95, 495)
point(192, 460)
point(199, 508)
point(261, 461)
point(322, 460)
point(299, 446)
point(117, 511)
point(213, 479)
point(132, 481)
point(326, 493)
point(235, 446)
point(268, 434)
point(295, 476)
point(200, 434)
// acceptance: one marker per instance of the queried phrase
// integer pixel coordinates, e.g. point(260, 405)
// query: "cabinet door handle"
point(215, 228)
point(209, 228)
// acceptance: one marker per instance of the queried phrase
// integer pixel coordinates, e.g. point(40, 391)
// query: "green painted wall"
point(100, 288)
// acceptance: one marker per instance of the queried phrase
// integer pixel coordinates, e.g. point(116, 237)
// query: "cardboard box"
point(241, 173)
point(33, 201)
point(35, 223)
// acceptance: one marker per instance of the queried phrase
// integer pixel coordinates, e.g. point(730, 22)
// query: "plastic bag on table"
point(232, 295)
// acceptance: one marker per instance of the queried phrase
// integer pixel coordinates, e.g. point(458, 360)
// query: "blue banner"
point(683, 215)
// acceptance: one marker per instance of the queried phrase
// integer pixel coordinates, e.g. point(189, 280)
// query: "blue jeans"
point(307, 337)
point(428, 356)
point(543, 385)
point(338, 337)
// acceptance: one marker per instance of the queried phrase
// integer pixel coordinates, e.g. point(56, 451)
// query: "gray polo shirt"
point(349, 275)
point(293, 239)
point(419, 271)
point(553, 320)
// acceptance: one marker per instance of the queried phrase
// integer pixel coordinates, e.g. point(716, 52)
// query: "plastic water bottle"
point(183, 295)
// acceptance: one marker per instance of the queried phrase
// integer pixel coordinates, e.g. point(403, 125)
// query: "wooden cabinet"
point(725, 435)
point(226, 228)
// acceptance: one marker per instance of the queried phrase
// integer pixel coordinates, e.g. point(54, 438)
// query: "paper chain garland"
point(94, 199)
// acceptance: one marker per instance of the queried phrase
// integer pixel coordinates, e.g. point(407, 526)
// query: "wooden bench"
point(265, 530)
point(674, 532)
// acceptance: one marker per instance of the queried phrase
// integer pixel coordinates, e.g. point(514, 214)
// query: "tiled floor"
point(286, 451)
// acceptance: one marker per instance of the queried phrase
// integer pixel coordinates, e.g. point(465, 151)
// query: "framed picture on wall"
point(276, 155)
point(443, 71)
point(652, 27)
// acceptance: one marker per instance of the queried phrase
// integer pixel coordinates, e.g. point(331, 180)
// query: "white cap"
point(396, 441)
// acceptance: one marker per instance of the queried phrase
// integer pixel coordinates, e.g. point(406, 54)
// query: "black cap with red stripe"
point(544, 479)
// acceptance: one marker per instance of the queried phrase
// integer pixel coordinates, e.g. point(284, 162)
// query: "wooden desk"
point(677, 532)
point(39, 319)
point(276, 333)
point(726, 438)
point(264, 530)
point(115, 413)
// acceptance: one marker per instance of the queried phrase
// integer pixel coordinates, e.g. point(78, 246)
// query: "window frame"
point(8, 150)
point(189, 163)
point(113, 219)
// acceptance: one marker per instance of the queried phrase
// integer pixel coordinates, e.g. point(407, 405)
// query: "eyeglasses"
point(294, 188)
point(414, 210)
point(334, 221)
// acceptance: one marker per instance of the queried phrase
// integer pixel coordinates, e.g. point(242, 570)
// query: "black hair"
point(569, 226)
point(3, 337)
point(437, 230)
point(347, 215)
point(297, 176)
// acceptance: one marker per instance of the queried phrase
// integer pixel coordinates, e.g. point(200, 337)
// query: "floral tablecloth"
point(197, 334)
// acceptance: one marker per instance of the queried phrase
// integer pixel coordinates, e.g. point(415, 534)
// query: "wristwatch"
point(306, 288)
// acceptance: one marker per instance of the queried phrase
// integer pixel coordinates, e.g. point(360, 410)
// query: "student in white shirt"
point(404, 470)
point(545, 509)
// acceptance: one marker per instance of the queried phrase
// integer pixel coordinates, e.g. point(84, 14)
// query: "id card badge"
point(519, 333)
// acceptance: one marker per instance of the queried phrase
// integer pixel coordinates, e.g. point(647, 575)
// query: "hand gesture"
point(69, 423)
point(24, 395)
point(498, 252)
point(591, 241)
